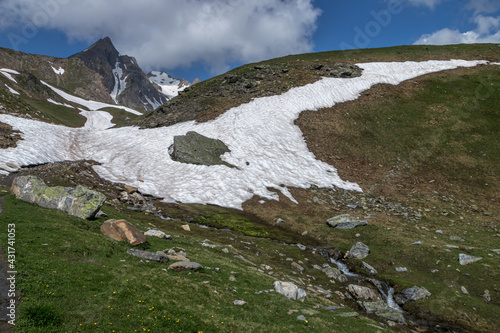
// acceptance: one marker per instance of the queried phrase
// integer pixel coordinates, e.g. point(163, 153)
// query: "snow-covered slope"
point(268, 150)
point(170, 86)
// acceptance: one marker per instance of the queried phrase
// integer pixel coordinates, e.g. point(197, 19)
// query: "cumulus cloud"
point(487, 27)
point(172, 33)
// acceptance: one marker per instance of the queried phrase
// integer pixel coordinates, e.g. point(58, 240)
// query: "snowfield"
point(267, 148)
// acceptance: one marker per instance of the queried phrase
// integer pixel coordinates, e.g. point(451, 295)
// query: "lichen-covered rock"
point(78, 201)
point(195, 148)
point(345, 221)
point(123, 230)
point(359, 251)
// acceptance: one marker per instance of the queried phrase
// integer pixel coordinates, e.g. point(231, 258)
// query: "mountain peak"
point(103, 47)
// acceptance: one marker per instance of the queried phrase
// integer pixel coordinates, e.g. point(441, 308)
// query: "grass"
point(73, 279)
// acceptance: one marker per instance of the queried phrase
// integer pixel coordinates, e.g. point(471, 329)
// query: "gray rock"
point(301, 318)
point(161, 257)
point(457, 239)
point(195, 148)
point(465, 259)
point(289, 290)
point(401, 269)
point(157, 233)
point(78, 201)
point(345, 221)
point(335, 274)
point(487, 296)
point(347, 314)
point(368, 268)
point(464, 290)
point(185, 266)
point(416, 243)
point(239, 302)
point(382, 310)
point(363, 292)
point(359, 251)
point(414, 293)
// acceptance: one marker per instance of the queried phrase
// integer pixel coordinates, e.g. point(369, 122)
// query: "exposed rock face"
point(359, 251)
point(363, 292)
point(414, 293)
point(78, 201)
point(289, 290)
point(124, 79)
point(123, 230)
point(185, 265)
point(345, 221)
point(148, 255)
point(195, 148)
point(382, 310)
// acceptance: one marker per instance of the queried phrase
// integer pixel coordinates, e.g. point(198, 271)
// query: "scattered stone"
point(309, 312)
point(184, 266)
point(416, 243)
point(130, 189)
point(382, 310)
point(123, 230)
point(464, 291)
point(186, 227)
point(232, 278)
point(161, 257)
point(292, 311)
point(280, 220)
point(301, 318)
point(297, 267)
point(289, 290)
point(497, 251)
point(302, 247)
point(347, 314)
point(157, 233)
point(345, 221)
point(332, 308)
point(457, 239)
point(487, 296)
point(195, 148)
point(368, 268)
point(359, 251)
point(239, 303)
point(414, 293)
point(401, 269)
point(465, 259)
point(78, 201)
point(317, 267)
point(364, 292)
point(439, 232)
point(335, 273)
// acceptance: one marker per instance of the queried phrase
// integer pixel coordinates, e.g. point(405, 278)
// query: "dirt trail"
point(4, 286)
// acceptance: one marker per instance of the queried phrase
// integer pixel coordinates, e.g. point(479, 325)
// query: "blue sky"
point(202, 38)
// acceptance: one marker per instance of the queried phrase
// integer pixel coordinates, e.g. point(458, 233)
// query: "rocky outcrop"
point(345, 221)
point(363, 292)
point(160, 257)
point(382, 310)
point(124, 79)
point(414, 293)
point(78, 201)
point(289, 290)
point(124, 231)
point(198, 149)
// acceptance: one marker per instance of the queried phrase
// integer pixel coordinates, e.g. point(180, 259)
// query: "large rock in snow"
point(195, 148)
point(78, 201)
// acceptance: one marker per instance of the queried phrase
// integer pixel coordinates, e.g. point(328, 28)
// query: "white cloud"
point(169, 33)
point(487, 28)
point(428, 3)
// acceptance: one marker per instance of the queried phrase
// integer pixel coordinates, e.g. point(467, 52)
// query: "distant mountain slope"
point(125, 81)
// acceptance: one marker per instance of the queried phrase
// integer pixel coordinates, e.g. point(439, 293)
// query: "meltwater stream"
point(386, 291)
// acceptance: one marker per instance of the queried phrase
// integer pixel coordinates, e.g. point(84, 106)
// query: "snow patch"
point(169, 86)
point(59, 71)
point(267, 149)
point(12, 91)
point(57, 103)
point(120, 84)
point(7, 73)
point(91, 105)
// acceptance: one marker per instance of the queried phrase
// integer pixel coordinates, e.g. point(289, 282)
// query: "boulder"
point(368, 268)
point(345, 221)
point(363, 292)
point(78, 201)
point(335, 273)
point(382, 310)
point(161, 257)
point(466, 259)
point(123, 230)
point(195, 148)
point(157, 233)
point(414, 293)
point(289, 290)
point(359, 251)
point(185, 266)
